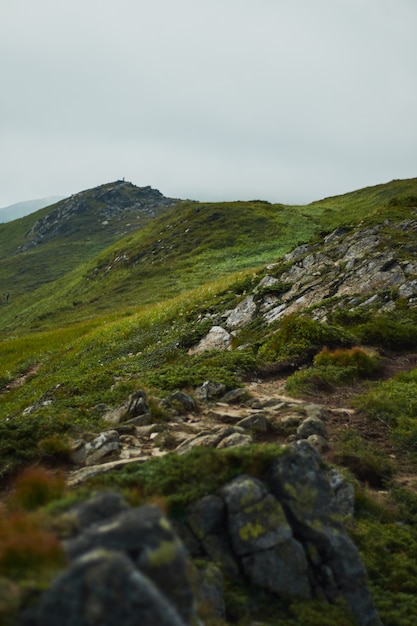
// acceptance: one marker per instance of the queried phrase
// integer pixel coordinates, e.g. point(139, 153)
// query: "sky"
point(284, 100)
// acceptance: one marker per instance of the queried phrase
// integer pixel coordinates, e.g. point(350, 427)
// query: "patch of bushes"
point(299, 334)
point(388, 551)
point(394, 403)
point(27, 551)
point(362, 362)
point(182, 479)
point(365, 460)
point(395, 330)
point(226, 367)
point(334, 368)
point(35, 487)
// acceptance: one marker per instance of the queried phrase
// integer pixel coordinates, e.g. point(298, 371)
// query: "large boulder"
point(102, 588)
point(144, 535)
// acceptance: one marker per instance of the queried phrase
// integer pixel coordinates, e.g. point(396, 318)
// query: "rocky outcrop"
point(363, 267)
point(220, 420)
point(285, 536)
point(107, 203)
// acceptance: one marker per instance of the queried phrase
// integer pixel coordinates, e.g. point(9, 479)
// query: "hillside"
point(47, 244)
point(168, 250)
point(219, 339)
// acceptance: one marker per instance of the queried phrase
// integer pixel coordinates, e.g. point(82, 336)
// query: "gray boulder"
point(147, 538)
point(308, 499)
point(102, 588)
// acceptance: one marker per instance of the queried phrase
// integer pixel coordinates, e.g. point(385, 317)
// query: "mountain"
point(249, 367)
point(20, 209)
point(40, 247)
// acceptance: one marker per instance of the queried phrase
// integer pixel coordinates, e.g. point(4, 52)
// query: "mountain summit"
point(117, 207)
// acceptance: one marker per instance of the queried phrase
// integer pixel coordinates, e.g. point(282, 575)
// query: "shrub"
point(54, 447)
point(26, 550)
point(298, 334)
point(395, 330)
point(35, 487)
point(358, 361)
point(366, 461)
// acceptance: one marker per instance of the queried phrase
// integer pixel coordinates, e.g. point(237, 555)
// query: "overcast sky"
point(284, 100)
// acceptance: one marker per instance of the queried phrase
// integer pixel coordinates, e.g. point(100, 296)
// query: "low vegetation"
point(125, 317)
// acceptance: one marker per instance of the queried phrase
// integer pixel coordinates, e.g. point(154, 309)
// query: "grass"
point(90, 323)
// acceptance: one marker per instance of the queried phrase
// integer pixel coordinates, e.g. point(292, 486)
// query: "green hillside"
point(76, 275)
point(41, 247)
point(98, 314)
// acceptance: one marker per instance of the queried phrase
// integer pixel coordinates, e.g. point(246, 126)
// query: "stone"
point(234, 396)
point(242, 314)
point(88, 453)
point(256, 422)
point(102, 588)
point(234, 440)
point(318, 442)
point(117, 415)
point(263, 538)
point(210, 390)
point(299, 482)
point(144, 535)
point(137, 404)
point(217, 338)
point(186, 401)
point(311, 426)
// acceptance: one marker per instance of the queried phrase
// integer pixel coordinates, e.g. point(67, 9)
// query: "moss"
point(164, 554)
point(251, 531)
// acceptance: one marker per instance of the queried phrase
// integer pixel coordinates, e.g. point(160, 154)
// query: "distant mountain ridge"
point(40, 247)
point(20, 209)
point(111, 206)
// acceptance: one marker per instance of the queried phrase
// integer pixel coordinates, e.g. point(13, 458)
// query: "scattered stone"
point(235, 396)
point(311, 426)
point(186, 401)
point(210, 390)
point(88, 453)
point(256, 422)
point(217, 339)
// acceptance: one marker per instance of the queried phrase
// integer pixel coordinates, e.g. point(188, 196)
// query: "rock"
point(318, 442)
point(242, 314)
point(137, 404)
point(102, 588)
point(408, 289)
point(217, 339)
point(344, 491)
point(79, 476)
point(186, 401)
point(291, 421)
point(207, 519)
point(88, 453)
point(256, 422)
point(234, 396)
point(301, 486)
point(234, 440)
point(103, 506)
point(117, 415)
point(311, 426)
point(210, 390)
point(262, 537)
point(147, 538)
point(267, 281)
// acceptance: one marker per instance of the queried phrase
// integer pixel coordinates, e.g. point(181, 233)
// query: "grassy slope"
point(103, 334)
point(188, 245)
